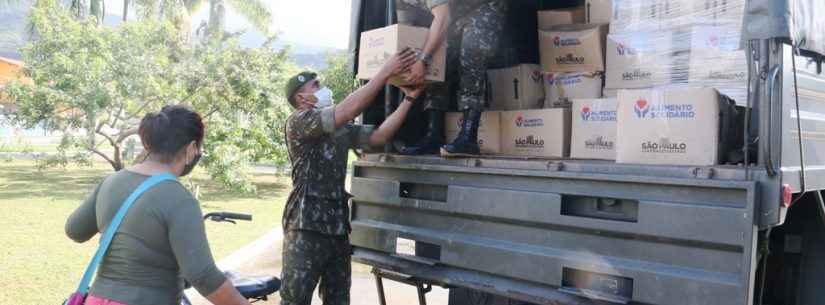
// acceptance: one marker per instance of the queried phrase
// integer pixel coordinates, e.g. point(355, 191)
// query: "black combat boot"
point(466, 144)
point(432, 141)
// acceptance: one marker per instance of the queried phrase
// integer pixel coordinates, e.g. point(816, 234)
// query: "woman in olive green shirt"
point(161, 241)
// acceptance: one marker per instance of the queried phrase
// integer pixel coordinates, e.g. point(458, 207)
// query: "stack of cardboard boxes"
point(573, 57)
point(646, 91)
point(663, 58)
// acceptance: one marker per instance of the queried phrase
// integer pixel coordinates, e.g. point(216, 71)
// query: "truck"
point(499, 230)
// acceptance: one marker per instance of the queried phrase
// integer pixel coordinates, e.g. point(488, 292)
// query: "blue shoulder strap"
point(106, 239)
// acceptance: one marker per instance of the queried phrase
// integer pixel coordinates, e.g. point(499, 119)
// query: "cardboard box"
point(573, 48)
point(516, 88)
point(594, 129)
point(550, 18)
point(536, 133)
point(636, 15)
point(730, 12)
point(639, 60)
point(561, 88)
point(675, 126)
point(716, 61)
point(599, 11)
point(379, 45)
point(489, 130)
point(610, 93)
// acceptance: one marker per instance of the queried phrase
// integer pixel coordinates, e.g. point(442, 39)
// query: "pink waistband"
point(93, 300)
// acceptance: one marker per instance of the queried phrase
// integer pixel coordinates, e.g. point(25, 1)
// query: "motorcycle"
point(254, 289)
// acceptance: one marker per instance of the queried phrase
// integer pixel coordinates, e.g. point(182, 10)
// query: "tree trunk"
point(217, 11)
point(96, 10)
point(125, 9)
point(118, 162)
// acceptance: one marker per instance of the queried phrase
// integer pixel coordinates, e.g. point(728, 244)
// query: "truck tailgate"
point(603, 235)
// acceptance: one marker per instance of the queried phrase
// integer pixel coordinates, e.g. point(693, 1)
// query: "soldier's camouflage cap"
point(296, 82)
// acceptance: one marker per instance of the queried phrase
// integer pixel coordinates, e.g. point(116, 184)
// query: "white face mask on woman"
point(323, 98)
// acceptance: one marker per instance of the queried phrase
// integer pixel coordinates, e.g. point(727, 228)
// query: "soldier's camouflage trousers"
point(310, 257)
point(472, 43)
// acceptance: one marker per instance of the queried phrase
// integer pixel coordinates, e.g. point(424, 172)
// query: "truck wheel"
point(812, 264)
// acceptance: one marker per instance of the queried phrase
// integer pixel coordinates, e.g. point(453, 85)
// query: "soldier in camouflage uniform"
point(474, 28)
point(316, 219)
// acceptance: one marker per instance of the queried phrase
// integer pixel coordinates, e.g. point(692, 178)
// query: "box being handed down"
point(594, 129)
point(379, 45)
point(536, 133)
point(674, 126)
point(573, 48)
point(489, 130)
point(515, 88)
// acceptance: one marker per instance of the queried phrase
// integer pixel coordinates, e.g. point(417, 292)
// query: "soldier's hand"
point(400, 62)
point(417, 72)
point(413, 92)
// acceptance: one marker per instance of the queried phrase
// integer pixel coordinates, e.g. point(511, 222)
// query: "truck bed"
point(531, 229)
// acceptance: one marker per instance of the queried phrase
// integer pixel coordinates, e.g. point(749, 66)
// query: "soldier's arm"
point(359, 100)
point(310, 123)
point(368, 137)
point(387, 130)
point(438, 29)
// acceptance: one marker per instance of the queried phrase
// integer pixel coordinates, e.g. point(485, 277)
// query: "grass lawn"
point(29, 148)
point(40, 265)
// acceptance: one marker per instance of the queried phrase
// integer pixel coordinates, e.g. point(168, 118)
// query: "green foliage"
point(67, 153)
point(98, 82)
point(338, 77)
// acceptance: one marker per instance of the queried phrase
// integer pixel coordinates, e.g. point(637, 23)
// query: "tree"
point(337, 75)
point(102, 81)
point(256, 12)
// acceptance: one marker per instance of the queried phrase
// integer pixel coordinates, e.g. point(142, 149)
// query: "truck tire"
point(812, 264)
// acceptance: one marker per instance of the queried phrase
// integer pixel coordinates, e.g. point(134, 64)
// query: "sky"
point(322, 23)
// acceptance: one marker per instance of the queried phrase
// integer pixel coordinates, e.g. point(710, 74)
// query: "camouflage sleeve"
point(360, 136)
point(311, 123)
point(433, 3)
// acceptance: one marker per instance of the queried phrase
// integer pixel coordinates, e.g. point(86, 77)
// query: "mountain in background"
point(12, 30)
point(13, 36)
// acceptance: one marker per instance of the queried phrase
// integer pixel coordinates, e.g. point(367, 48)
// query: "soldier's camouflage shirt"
point(458, 8)
point(318, 152)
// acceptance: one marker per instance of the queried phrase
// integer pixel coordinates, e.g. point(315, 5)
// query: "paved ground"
point(263, 257)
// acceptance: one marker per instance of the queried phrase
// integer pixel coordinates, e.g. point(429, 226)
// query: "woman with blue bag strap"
point(153, 236)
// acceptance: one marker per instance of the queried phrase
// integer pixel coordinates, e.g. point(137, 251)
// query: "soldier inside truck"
point(481, 35)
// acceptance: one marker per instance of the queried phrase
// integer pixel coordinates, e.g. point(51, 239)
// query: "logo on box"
point(564, 42)
point(641, 108)
point(376, 42)
point(597, 116)
point(722, 75)
point(713, 41)
point(644, 110)
point(569, 59)
point(598, 143)
point(522, 122)
point(664, 146)
point(623, 50)
point(565, 80)
point(537, 76)
point(637, 74)
point(529, 142)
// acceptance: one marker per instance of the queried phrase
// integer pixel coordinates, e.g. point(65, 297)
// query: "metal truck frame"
point(579, 232)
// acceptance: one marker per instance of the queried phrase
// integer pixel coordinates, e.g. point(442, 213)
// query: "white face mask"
point(324, 98)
